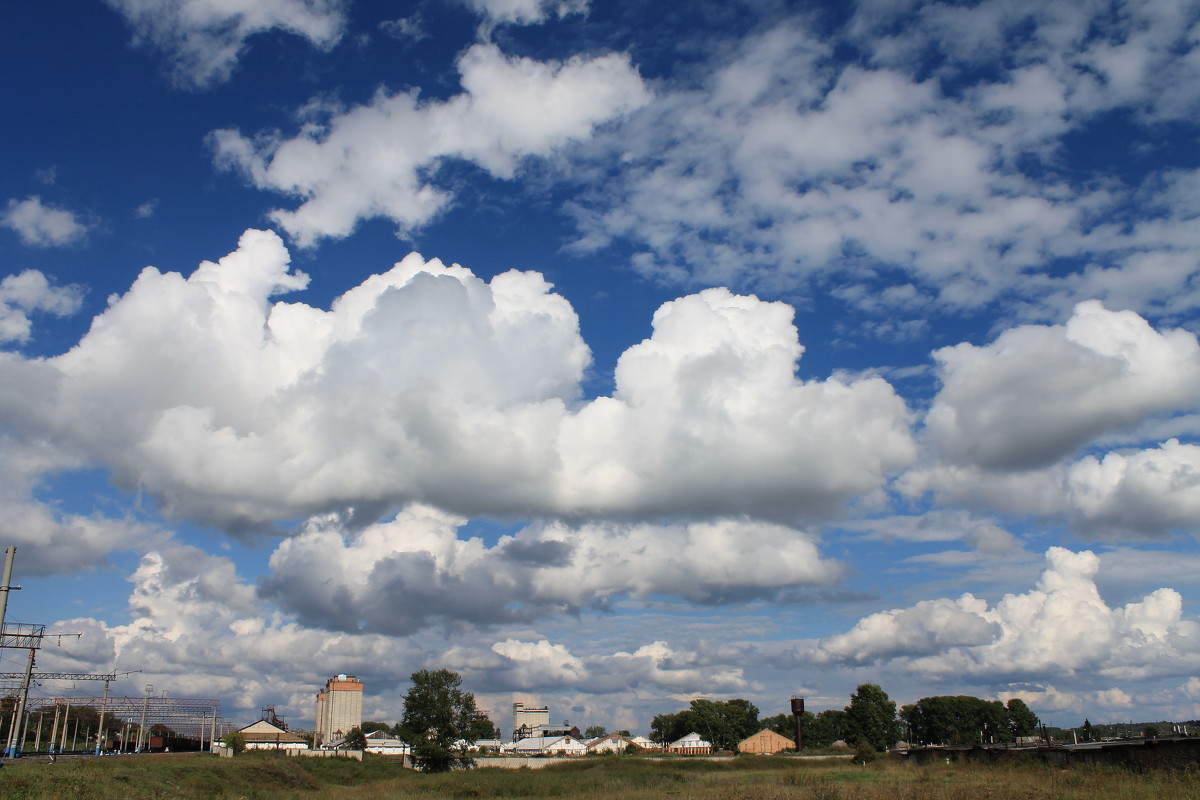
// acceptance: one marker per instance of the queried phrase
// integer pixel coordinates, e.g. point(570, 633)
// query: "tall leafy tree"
point(871, 717)
point(826, 727)
point(482, 727)
point(1021, 721)
point(957, 719)
point(355, 739)
point(724, 723)
point(438, 720)
point(666, 728)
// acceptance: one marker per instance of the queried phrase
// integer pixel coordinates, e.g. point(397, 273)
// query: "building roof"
point(766, 741)
point(693, 739)
point(567, 743)
point(614, 738)
point(263, 731)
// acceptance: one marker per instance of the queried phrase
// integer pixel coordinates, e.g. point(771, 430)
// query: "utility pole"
point(54, 730)
point(142, 726)
point(18, 636)
point(62, 745)
point(21, 636)
point(10, 553)
point(103, 708)
point(16, 736)
point(24, 636)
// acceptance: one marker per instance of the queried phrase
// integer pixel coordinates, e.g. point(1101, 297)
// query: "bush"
point(234, 741)
point(865, 753)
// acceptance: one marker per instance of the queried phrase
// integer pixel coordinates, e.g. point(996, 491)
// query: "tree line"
point(870, 720)
point(441, 722)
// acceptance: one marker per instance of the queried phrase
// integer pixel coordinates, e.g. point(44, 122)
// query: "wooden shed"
point(765, 741)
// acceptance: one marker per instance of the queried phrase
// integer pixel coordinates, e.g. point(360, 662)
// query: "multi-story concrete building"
point(529, 722)
point(339, 707)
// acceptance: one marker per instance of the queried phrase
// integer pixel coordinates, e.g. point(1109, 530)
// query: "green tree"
point(235, 741)
point(370, 726)
point(595, 732)
point(438, 719)
point(1021, 721)
point(482, 727)
point(957, 719)
point(666, 728)
point(724, 723)
point(871, 717)
point(355, 740)
point(826, 727)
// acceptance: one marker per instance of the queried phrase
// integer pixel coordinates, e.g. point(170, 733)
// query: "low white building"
point(691, 745)
point(263, 735)
point(531, 746)
point(384, 745)
point(644, 743)
point(489, 745)
point(565, 746)
point(546, 746)
point(612, 743)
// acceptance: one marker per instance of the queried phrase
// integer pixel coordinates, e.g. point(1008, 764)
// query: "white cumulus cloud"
point(1040, 393)
point(428, 384)
point(381, 159)
point(415, 571)
point(1060, 629)
point(42, 225)
point(784, 165)
point(28, 292)
point(1144, 492)
point(196, 625)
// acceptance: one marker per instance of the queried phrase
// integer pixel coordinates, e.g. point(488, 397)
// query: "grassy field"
point(265, 776)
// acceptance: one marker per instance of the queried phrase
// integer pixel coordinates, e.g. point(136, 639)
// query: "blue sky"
point(612, 356)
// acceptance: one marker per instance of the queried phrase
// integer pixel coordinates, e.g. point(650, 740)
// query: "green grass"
point(268, 776)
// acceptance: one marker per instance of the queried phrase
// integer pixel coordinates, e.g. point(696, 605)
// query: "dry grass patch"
point(264, 776)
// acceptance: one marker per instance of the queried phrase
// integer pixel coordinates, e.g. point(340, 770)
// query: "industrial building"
point(529, 722)
point(339, 707)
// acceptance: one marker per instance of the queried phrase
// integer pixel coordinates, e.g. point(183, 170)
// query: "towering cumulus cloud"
point(1058, 629)
point(428, 384)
